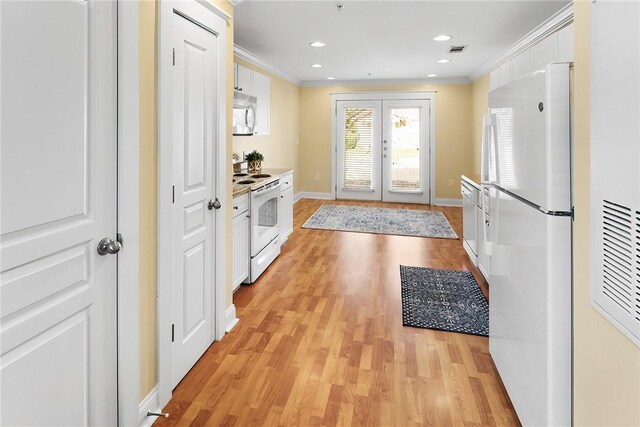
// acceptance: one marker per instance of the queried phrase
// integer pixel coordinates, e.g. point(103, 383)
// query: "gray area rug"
point(448, 300)
point(404, 222)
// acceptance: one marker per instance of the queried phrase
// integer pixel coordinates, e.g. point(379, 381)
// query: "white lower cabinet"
point(240, 239)
point(286, 206)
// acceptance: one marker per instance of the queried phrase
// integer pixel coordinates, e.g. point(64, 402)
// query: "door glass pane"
point(405, 149)
point(358, 142)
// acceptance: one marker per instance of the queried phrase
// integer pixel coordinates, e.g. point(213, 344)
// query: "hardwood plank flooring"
point(321, 342)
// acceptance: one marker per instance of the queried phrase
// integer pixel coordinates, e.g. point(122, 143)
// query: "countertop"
point(240, 189)
point(473, 180)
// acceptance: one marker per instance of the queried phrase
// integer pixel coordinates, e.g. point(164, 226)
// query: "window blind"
point(358, 144)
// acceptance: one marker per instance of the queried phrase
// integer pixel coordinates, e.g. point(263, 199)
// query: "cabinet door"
point(545, 52)
point(262, 91)
point(494, 79)
point(483, 257)
point(245, 80)
point(521, 64)
point(286, 213)
point(565, 44)
point(505, 73)
point(235, 76)
point(240, 249)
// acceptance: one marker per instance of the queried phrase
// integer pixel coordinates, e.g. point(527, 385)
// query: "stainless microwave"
point(244, 114)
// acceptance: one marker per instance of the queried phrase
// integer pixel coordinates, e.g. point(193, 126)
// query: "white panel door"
point(194, 143)
point(358, 160)
point(405, 151)
point(58, 200)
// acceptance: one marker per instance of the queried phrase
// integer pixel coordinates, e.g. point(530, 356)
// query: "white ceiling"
point(389, 39)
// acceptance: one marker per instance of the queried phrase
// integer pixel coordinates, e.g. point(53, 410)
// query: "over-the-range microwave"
point(244, 114)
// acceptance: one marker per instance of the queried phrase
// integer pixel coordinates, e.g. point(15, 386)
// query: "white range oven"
point(265, 227)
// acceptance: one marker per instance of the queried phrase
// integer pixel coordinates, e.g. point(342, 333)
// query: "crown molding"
point(258, 62)
point(386, 82)
point(560, 19)
point(234, 3)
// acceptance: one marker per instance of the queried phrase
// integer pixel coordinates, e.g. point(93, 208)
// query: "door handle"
point(108, 246)
point(214, 204)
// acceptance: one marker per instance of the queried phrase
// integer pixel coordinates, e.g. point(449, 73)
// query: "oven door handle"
point(262, 190)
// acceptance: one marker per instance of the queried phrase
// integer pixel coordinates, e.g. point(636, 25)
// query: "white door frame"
point(372, 96)
point(128, 214)
point(202, 12)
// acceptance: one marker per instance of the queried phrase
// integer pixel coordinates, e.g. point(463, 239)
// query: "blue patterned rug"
point(448, 300)
point(404, 222)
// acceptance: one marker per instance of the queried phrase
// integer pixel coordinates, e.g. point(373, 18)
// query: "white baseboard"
point(297, 197)
point(149, 403)
point(449, 202)
point(312, 195)
point(230, 318)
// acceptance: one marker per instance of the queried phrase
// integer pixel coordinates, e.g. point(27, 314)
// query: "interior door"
point(194, 143)
point(405, 151)
point(58, 201)
point(358, 160)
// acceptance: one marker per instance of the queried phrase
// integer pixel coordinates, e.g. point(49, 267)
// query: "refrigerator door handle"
point(531, 204)
point(488, 124)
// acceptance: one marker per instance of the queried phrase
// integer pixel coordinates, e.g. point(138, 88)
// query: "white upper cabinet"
point(258, 85)
point(545, 52)
point(505, 73)
point(557, 47)
point(565, 44)
point(494, 79)
point(521, 64)
point(262, 91)
point(244, 79)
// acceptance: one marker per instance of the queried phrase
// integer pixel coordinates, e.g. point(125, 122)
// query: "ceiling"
point(380, 40)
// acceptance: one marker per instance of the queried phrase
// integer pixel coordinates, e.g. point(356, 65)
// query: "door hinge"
point(120, 239)
point(174, 56)
point(173, 332)
point(173, 194)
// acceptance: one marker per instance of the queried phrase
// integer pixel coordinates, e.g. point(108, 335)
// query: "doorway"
point(382, 148)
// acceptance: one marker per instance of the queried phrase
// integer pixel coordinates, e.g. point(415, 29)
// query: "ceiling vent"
point(457, 49)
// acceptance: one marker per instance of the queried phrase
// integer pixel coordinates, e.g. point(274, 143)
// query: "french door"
point(383, 150)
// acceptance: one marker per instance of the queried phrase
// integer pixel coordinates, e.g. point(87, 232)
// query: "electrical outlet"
point(317, 177)
point(451, 183)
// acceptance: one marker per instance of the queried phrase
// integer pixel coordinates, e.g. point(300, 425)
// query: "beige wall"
point(606, 363)
point(148, 195)
point(280, 147)
point(479, 106)
point(454, 145)
point(148, 39)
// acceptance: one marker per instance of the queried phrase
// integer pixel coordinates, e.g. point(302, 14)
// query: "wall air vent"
point(617, 255)
point(614, 187)
point(457, 49)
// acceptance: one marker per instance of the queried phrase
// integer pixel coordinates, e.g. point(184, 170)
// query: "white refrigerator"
point(527, 173)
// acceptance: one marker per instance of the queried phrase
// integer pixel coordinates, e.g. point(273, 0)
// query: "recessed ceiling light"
point(331, 78)
point(316, 65)
point(443, 61)
point(432, 75)
point(317, 44)
point(442, 38)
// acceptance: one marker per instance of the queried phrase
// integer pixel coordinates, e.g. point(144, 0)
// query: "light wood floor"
point(321, 342)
